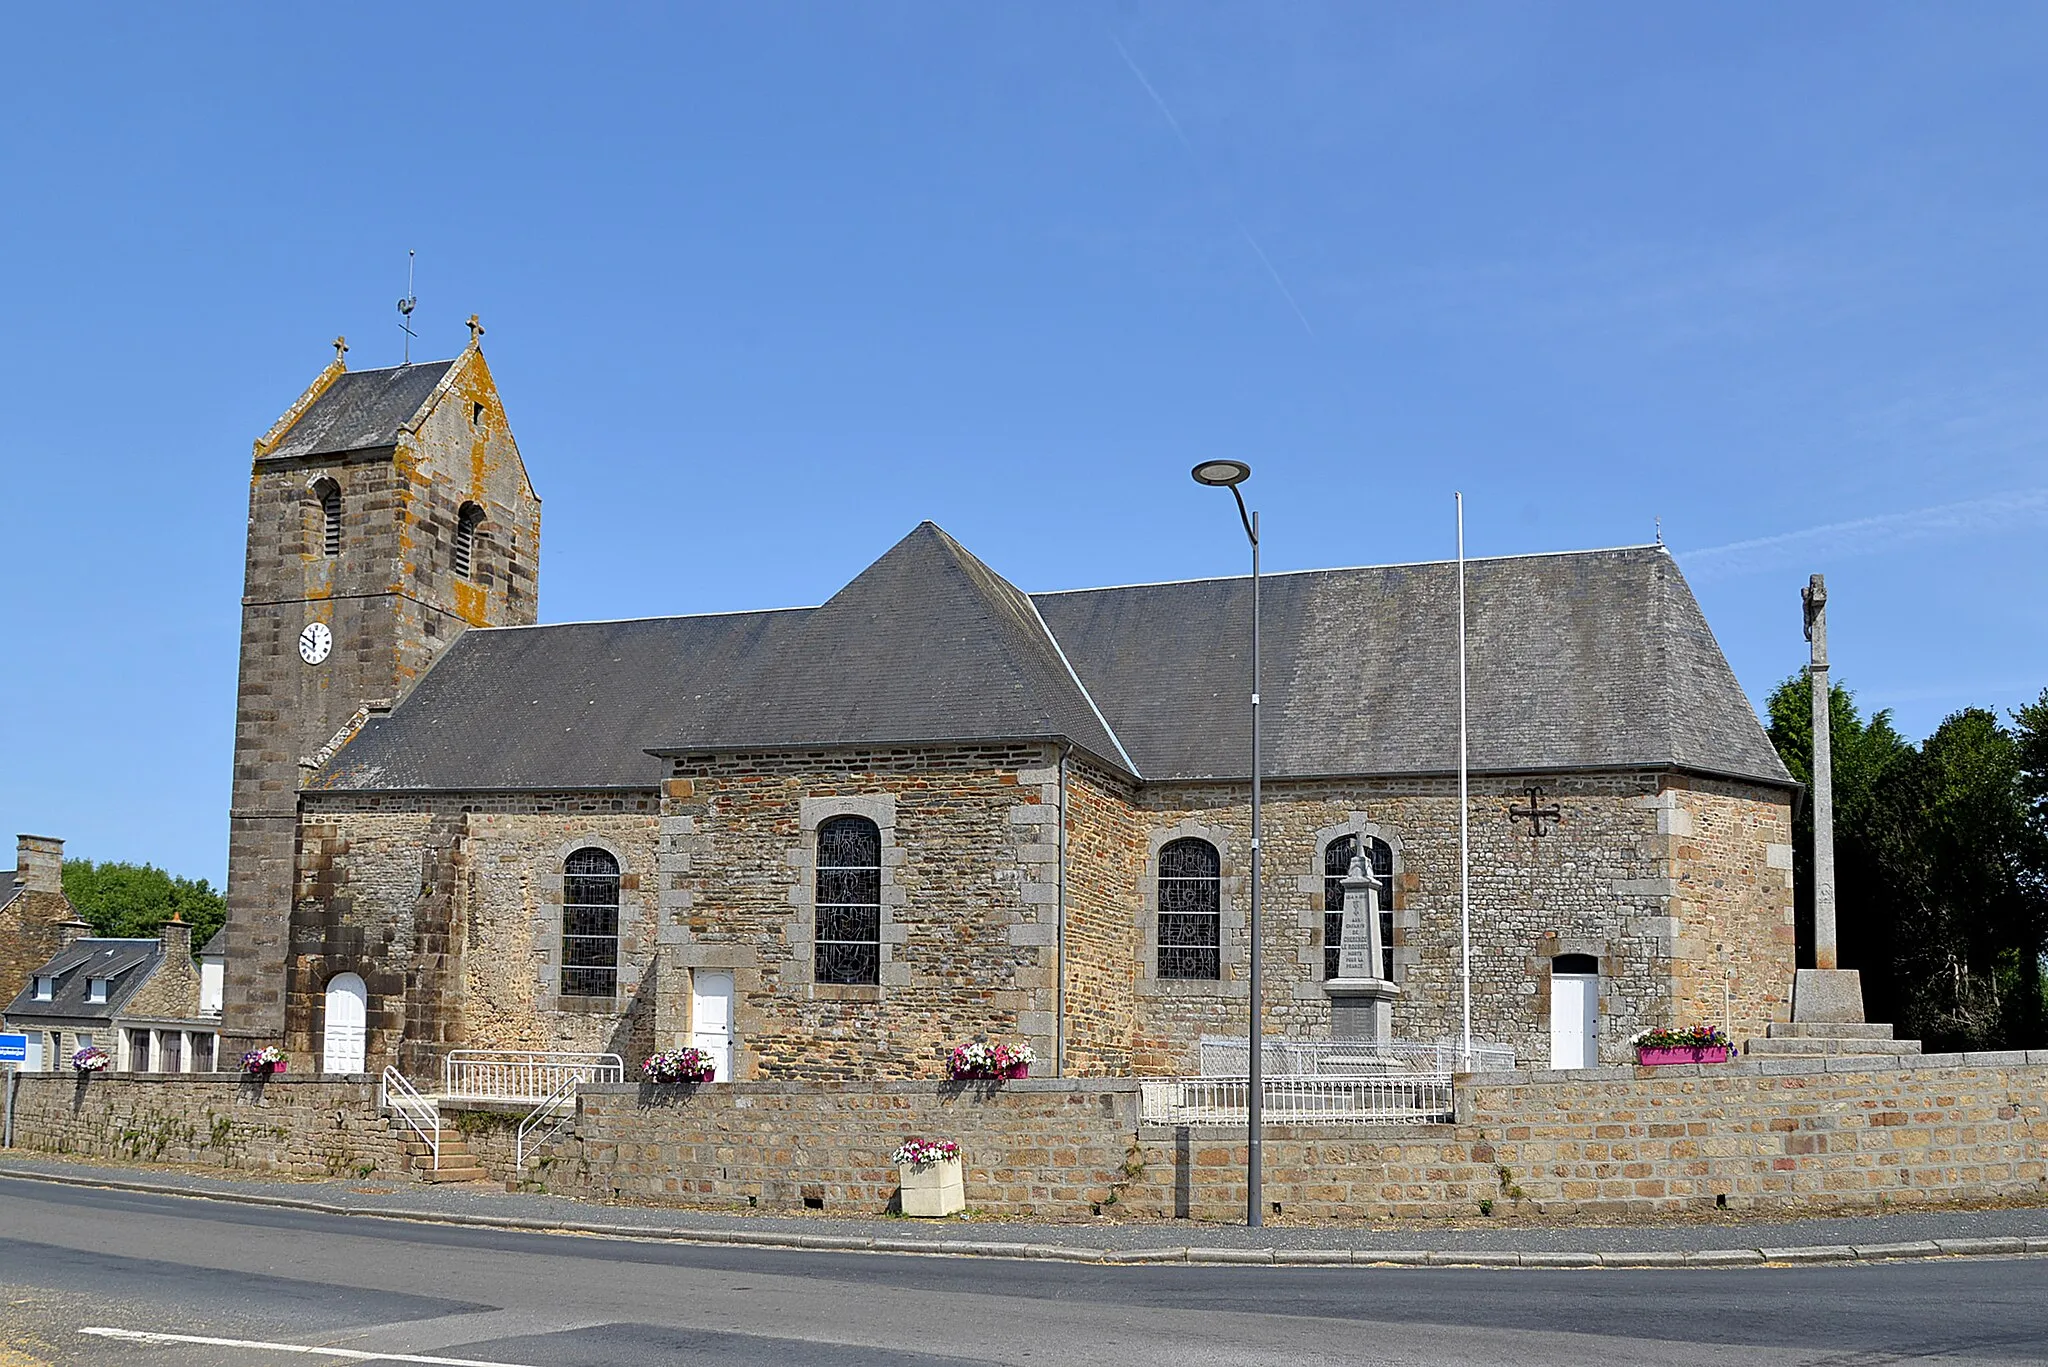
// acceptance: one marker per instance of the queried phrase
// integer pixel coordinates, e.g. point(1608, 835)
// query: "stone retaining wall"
point(1778, 1135)
point(1771, 1135)
point(1039, 1147)
point(304, 1127)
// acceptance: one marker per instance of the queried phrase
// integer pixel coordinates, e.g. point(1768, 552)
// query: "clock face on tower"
point(314, 642)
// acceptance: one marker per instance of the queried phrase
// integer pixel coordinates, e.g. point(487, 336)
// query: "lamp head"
point(1222, 474)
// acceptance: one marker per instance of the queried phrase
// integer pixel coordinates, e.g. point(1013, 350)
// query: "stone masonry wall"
point(449, 907)
point(306, 1127)
point(1602, 882)
point(29, 937)
point(1779, 1135)
point(1731, 898)
point(970, 897)
point(512, 896)
point(1104, 859)
point(1028, 1148)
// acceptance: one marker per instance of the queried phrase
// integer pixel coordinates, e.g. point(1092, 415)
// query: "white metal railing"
point(515, 1075)
point(1391, 1099)
point(1230, 1056)
point(419, 1112)
point(544, 1122)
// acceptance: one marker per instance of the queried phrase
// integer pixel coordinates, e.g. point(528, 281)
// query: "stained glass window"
point(1190, 910)
point(590, 924)
point(848, 945)
point(1337, 856)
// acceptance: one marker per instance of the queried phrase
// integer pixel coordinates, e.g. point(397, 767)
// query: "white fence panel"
point(1394, 1099)
point(1230, 1056)
point(510, 1075)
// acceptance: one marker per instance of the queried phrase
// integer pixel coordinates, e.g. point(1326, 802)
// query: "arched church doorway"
point(1574, 1011)
point(341, 1047)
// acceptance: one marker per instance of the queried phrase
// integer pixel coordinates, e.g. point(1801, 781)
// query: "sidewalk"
point(1726, 1241)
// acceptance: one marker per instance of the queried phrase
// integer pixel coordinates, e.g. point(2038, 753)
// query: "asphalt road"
point(254, 1284)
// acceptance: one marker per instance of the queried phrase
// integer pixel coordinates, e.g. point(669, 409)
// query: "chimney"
point(72, 931)
point(39, 863)
point(175, 935)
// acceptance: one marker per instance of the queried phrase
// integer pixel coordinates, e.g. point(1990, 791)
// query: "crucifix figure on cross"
point(1534, 814)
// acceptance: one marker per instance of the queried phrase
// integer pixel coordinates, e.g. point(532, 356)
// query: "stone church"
point(832, 842)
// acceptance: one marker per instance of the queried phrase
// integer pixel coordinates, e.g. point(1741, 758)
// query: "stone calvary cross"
point(1825, 992)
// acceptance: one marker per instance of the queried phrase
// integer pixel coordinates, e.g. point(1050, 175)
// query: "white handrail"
point(554, 1112)
point(420, 1112)
point(523, 1075)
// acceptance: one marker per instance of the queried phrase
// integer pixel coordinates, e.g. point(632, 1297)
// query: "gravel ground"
point(1511, 1234)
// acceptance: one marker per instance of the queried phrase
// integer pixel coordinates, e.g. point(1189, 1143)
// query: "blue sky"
point(767, 284)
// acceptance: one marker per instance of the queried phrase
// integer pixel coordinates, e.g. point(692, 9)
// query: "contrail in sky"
point(1201, 171)
point(1867, 535)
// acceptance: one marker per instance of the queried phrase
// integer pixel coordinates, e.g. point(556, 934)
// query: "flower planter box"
point(934, 1190)
point(1657, 1058)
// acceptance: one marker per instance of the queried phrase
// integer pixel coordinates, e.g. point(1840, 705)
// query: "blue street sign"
point(13, 1048)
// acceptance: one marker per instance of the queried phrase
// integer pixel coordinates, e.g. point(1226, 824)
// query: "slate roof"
point(926, 644)
point(1580, 660)
point(216, 947)
point(8, 890)
point(126, 963)
point(361, 410)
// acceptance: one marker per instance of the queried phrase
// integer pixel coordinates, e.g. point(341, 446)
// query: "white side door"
point(341, 1047)
point(711, 1019)
point(1574, 1019)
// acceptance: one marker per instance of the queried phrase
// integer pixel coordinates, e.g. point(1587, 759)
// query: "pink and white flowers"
point(990, 1059)
point(92, 1060)
point(919, 1154)
point(679, 1065)
point(263, 1062)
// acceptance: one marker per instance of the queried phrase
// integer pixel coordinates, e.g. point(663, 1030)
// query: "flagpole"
point(1464, 803)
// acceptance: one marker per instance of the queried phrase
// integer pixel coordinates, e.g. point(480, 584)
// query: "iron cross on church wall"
point(1535, 815)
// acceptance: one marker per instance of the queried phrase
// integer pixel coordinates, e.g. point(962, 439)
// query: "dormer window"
point(95, 989)
point(46, 988)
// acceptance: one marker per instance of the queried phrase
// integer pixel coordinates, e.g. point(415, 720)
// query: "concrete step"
point(446, 1173)
point(1826, 1030)
point(1815, 1046)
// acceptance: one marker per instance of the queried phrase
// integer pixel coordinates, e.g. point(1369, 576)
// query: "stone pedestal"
point(1362, 1009)
point(1827, 994)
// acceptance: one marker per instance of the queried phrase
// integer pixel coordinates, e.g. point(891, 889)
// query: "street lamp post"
point(1228, 474)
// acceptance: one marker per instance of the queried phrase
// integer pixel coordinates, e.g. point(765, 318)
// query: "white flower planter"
point(932, 1191)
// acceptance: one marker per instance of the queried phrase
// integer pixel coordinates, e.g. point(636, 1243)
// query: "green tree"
point(1941, 857)
point(133, 900)
point(1863, 753)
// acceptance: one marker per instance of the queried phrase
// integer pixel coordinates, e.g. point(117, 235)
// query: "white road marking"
point(353, 1355)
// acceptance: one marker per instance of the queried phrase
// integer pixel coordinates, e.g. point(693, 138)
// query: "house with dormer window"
point(139, 1000)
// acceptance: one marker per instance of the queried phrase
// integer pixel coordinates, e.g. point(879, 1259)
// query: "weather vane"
point(405, 308)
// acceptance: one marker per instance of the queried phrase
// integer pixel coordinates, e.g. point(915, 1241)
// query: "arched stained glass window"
point(1190, 910)
point(1337, 856)
point(847, 947)
point(590, 924)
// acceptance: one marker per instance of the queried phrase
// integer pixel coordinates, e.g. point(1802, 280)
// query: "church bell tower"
point(389, 511)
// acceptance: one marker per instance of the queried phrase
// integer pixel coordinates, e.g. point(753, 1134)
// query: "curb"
point(1923, 1250)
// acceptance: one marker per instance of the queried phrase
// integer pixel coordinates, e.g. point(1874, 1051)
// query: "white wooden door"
point(1574, 1019)
point(711, 1019)
point(341, 1049)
